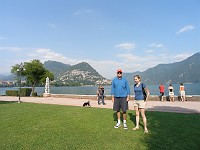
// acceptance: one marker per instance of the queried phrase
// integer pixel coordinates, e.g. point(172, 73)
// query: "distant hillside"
point(80, 74)
point(184, 71)
point(10, 77)
point(57, 68)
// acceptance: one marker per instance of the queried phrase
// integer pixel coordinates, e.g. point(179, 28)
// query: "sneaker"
point(117, 125)
point(125, 126)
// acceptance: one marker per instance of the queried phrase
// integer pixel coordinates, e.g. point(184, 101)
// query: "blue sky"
point(108, 34)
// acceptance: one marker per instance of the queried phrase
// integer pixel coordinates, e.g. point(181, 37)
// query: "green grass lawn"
point(45, 127)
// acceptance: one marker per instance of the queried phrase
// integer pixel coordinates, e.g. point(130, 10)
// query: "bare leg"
point(142, 110)
point(184, 98)
point(124, 115)
point(137, 113)
point(118, 115)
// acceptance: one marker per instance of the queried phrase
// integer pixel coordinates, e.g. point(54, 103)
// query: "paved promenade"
point(180, 107)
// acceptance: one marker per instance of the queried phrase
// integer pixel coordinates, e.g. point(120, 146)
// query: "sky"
point(133, 35)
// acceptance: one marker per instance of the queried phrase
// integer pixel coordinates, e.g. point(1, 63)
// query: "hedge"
point(24, 92)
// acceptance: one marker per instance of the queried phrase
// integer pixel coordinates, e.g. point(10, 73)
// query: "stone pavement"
point(179, 107)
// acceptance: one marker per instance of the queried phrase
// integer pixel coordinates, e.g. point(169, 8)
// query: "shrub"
point(34, 94)
point(26, 91)
point(12, 93)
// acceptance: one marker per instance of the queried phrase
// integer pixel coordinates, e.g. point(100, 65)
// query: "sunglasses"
point(119, 72)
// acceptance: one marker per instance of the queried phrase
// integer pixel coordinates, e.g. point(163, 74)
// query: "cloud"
point(156, 45)
point(149, 51)
point(129, 62)
point(125, 46)
point(184, 29)
point(183, 56)
point(45, 54)
point(128, 57)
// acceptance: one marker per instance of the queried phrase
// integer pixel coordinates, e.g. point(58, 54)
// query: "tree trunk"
point(33, 87)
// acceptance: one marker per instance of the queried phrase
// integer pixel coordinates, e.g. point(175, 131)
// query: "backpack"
point(143, 90)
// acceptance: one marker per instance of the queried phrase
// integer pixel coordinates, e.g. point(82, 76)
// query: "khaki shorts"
point(139, 103)
point(182, 93)
point(171, 93)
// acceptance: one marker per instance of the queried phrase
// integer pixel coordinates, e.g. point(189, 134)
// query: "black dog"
point(87, 104)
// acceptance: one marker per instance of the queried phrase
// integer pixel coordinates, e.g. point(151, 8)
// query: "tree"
point(34, 72)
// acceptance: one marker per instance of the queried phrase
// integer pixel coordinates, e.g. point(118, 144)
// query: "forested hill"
point(186, 71)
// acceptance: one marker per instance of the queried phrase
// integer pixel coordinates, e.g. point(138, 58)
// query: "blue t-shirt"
point(120, 87)
point(139, 91)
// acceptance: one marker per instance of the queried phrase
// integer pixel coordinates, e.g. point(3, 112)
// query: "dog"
point(86, 104)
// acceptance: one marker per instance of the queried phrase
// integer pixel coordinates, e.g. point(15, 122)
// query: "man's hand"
point(127, 99)
point(113, 99)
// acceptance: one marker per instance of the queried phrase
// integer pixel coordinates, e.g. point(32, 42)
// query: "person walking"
point(140, 102)
point(120, 93)
point(100, 95)
point(182, 92)
point(171, 93)
point(162, 91)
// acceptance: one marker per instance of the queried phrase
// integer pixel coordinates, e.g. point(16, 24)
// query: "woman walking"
point(141, 97)
point(182, 92)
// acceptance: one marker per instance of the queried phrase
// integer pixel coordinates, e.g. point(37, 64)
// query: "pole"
point(19, 86)
point(21, 68)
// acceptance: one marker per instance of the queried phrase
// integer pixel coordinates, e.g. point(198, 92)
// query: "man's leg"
point(118, 117)
point(103, 99)
point(98, 99)
point(124, 120)
point(116, 107)
point(118, 120)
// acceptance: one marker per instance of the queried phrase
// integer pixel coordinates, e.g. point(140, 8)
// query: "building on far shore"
point(104, 82)
point(6, 83)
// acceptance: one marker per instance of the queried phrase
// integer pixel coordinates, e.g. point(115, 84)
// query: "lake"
point(191, 89)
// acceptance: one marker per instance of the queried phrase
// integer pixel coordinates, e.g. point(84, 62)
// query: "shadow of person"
point(132, 117)
point(115, 116)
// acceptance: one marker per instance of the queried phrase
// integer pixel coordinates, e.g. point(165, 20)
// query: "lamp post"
point(20, 69)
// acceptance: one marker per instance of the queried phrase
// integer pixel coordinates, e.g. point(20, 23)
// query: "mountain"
point(10, 77)
point(186, 71)
point(80, 74)
point(57, 68)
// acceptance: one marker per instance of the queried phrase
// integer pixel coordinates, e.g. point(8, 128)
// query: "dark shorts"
point(161, 94)
point(120, 102)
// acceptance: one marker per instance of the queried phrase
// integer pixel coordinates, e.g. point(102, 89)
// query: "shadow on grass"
point(121, 116)
point(173, 109)
point(172, 131)
point(7, 102)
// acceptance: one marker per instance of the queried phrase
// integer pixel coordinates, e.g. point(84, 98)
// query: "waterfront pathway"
point(179, 107)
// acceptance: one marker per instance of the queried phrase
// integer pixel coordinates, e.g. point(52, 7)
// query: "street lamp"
point(20, 69)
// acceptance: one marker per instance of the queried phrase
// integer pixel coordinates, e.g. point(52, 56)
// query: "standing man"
point(162, 90)
point(100, 94)
point(120, 93)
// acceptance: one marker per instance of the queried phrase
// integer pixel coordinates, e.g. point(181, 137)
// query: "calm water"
point(191, 89)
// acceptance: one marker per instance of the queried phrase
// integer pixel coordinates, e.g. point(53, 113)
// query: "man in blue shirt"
point(120, 93)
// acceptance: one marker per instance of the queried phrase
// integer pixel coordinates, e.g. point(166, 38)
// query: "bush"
point(34, 94)
point(26, 91)
point(12, 93)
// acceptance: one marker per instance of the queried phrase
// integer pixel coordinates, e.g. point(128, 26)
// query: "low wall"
point(108, 97)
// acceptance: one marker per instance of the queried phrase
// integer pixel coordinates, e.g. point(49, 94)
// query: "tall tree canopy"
point(33, 71)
